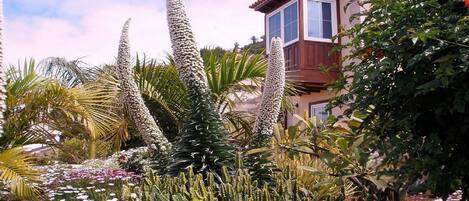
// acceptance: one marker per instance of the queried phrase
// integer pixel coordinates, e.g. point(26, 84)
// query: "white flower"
point(133, 195)
point(272, 94)
point(146, 125)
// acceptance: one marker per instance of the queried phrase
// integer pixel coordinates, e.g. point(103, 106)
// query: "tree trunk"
point(91, 149)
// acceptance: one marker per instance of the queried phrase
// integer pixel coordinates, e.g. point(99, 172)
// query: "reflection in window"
point(319, 111)
point(290, 22)
point(274, 27)
point(319, 19)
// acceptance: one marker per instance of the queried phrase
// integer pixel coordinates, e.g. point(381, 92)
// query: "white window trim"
point(321, 103)
point(333, 18)
point(282, 30)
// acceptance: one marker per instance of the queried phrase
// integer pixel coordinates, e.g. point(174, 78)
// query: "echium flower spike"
point(3, 78)
point(186, 55)
point(202, 144)
point(272, 94)
point(146, 125)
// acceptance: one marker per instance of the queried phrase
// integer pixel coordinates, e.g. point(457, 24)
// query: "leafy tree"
point(410, 61)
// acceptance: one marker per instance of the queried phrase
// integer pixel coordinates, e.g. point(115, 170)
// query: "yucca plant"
point(203, 140)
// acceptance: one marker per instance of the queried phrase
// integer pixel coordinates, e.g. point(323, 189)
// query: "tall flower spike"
point(186, 55)
point(202, 144)
point(272, 95)
point(146, 125)
point(3, 78)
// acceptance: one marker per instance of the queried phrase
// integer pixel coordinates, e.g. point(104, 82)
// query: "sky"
point(90, 29)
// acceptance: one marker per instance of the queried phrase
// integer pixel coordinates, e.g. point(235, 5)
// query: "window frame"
point(282, 28)
point(333, 20)
point(311, 104)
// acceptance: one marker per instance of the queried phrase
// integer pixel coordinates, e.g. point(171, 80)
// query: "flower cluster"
point(61, 182)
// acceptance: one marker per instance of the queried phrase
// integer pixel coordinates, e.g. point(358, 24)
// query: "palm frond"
point(231, 73)
point(17, 172)
point(162, 89)
point(240, 125)
point(69, 73)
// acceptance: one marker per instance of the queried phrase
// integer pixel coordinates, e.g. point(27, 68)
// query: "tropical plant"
point(271, 96)
point(16, 171)
point(146, 125)
point(18, 174)
point(237, 185)
point(410, 61)
point(203, 141)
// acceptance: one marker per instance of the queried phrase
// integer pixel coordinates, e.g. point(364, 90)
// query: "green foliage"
point(17, 173)
point(410, 60)
point(203, 141)
point(226, 186)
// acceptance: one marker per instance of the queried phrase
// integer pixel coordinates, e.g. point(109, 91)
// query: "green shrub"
point(229, 186)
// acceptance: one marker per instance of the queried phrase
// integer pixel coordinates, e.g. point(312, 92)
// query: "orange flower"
point(466, 3)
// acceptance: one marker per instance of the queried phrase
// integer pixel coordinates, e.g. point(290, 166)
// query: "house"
point(307, 28)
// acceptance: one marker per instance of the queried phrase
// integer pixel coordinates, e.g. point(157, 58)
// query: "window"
point(319, 111)
point(283, 23)
point(275, 29)
point(321, 17)
point(290, 22)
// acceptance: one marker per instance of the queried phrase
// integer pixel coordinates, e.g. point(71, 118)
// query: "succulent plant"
point(3, 78)
point(271, 96)
point(146, 125)
point(202, 144)
point(227, 186)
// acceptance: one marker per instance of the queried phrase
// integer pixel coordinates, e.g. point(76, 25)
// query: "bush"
point(237, 185)
point(410, 61)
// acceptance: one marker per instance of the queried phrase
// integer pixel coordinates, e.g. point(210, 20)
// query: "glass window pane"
point(320, 19)
point(326, 11)
point(319, 111)
point(274, 26)
point(290, 22)
point(327, 29)
point(314, 19)
point(327, 20)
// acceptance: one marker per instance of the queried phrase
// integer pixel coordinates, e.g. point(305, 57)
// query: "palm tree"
point(227, 76)
point(15, 169)
point(37, 105)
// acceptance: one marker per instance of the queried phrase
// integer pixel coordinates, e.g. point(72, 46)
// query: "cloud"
point(91, 29)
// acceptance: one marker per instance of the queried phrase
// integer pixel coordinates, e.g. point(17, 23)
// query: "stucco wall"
point(302, 104)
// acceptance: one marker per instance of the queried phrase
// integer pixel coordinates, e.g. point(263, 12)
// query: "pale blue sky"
point(91, 28)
